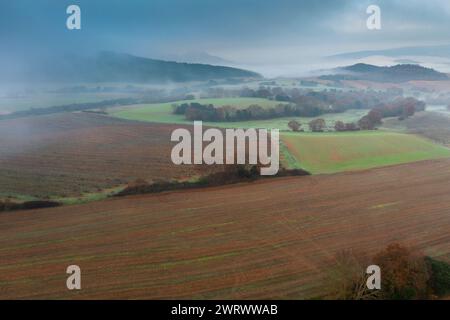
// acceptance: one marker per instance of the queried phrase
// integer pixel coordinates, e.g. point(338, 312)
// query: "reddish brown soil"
point(70, 154)
point(275, 238)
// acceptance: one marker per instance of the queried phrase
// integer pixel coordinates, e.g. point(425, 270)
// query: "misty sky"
point(249, 32)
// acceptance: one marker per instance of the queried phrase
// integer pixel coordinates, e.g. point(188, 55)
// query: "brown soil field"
point(275, 238)
point(74, 153)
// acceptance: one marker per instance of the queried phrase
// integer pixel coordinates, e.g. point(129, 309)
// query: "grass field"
point(163, 113)
point(272, 239)
point(335, 152)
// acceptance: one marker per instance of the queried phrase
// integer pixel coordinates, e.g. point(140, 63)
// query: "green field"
point(162, 112)
point(336, 152)
point(326, 152)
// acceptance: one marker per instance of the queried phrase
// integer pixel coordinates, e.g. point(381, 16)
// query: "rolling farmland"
point(336, 152)
point(73, 154)
point(162, 113)
point(237, 241)
point(434, 125)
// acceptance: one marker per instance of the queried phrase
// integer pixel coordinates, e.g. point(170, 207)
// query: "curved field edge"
point(335, 152)
point(162, 113)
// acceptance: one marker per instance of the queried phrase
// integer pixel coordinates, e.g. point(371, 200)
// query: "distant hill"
point(429, 51)
point(397, 73)
point(196, 57)
point(118, 67)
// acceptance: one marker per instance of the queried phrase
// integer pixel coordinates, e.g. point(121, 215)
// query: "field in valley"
point(237, 241)
point(433, 125)
point(74, 155)
point(163, 113)
point(85, 156)
point(343, 151)
point(274, 238)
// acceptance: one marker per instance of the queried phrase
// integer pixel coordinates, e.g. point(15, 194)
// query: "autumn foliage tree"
point(375, 116)
point(339, 126)
point(294, 125)
point(404, 273)
point(317, 125)
point(366, 124)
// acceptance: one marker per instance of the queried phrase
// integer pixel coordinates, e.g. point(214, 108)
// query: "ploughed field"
point(71, 154)
point(275, 238)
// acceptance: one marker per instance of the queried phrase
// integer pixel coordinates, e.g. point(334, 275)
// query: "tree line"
point(401, 108)
point(293, 103)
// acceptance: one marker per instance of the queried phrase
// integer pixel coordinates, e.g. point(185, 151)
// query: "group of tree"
point(319, 125)
point(230, 173)
point(295, 126)
point(311, 105)
point(208, 112)
point(406, 274)
point(340, 126)
point(315, 125)
point(401, 108)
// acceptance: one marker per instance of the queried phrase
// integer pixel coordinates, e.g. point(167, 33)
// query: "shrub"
point(339, 126)
point(347, 280)
point(294, 125)
point(37, 204)
point(317, 125)
point(230, 174)
point(28, 205)
point(404, 274)
point(439, 281)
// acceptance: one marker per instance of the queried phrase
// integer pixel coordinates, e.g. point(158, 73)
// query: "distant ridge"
point(429, 51)
point(397, 73)
point(200, 57)
point(120, 67)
